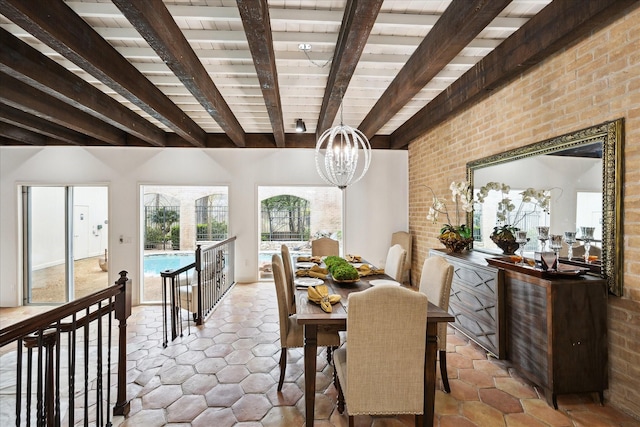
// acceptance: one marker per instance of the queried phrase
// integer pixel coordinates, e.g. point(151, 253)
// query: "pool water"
point(155, 264)
point(265, 257)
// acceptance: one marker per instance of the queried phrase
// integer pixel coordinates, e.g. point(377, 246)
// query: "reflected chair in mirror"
point(404, 239)
point(394, 265)
point(435, 283)
point(291, 333)
point(288, 272)
point(381, 369)
point(325, 246)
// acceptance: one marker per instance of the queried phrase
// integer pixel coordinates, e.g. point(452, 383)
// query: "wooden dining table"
point(311, 316)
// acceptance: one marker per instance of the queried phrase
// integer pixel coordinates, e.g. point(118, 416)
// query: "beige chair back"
point(405, 240)
point(282, 296)
point(435, 283)
point(288, 272)
point(395, 262)
point(386, 351)
point(325, 246)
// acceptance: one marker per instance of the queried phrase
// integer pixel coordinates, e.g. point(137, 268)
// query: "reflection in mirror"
point(582, 172)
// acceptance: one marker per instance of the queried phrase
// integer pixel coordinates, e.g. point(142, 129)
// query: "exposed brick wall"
point(593, 81)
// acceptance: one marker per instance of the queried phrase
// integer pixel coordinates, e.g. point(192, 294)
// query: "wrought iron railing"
point(66, 355)
point(197, 287)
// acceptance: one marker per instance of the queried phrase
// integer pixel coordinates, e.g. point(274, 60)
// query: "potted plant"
point(455, 236)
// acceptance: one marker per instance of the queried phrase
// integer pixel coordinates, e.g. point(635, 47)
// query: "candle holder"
point(556, 244)
point(521, 240)
point(570, 238)
point(587, 237)
point(543, 236)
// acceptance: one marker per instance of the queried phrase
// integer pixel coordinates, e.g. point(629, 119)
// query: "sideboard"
point(552, 330)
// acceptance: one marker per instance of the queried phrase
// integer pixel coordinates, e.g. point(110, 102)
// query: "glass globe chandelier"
point(338, 153)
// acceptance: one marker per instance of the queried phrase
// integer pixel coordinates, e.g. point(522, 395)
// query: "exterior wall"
point(595, 80)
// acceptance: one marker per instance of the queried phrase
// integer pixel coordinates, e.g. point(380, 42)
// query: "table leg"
point(310, 352)
point(430, 374)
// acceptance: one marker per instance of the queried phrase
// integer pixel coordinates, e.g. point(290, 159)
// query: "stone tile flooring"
point(225, 373)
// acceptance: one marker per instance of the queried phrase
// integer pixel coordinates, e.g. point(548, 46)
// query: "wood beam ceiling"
point(460, 23)
point(554, 27)
point(79, 43)
point(154, 22)
point(257, 27)
point(357, 23)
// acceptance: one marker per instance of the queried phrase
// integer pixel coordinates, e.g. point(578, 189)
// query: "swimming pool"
point(156, 263)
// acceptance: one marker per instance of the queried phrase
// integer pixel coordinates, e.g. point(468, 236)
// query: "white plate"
point(383, 282)
point(308, 281)
point(305, 264)
point(357, 264)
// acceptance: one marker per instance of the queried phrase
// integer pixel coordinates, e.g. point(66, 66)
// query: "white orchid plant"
point(462, 197)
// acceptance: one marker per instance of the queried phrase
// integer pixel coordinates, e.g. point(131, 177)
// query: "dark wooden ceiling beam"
point(24, 136)
point(35, 124)
point(460, 23)
point(257, 27)
point(556, 26)
point(64, 31)
point(359, 17)
point(154, 22)
point(29, 99)
point(25, 63)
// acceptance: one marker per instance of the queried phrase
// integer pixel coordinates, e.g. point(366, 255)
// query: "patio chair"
point(292, 333)
point(435, 283)
point(381, 370)
point(325, 246)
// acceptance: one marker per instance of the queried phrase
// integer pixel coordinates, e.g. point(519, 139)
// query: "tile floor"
point(225, 374)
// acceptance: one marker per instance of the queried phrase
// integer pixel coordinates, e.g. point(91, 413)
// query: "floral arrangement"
point(455, 235)
point(508, 215)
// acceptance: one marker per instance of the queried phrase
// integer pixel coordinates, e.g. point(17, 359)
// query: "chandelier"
point(338, 152)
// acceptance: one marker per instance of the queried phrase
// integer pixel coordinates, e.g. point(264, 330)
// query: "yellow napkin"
point(315, 259)
point(366, 270)
point(320, 295)
point(315, 271)
point(354, 258)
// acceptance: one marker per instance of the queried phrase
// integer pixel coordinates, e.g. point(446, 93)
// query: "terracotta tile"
point(455, 360)
point(199, 384)
point(261, 364)
point(219, 350)
point(283, 416)
point(455, 421)
point(239, 357)
point(522, 420)
point(490, 367)
point(257, 383)
point(539, 409)
point(210, 365)
point(177, 374)
point(219, 417)
point(161, 397)
point(500, 400)
point(224, 395)
point(251, 407)
point(515, 388)
point(476, 378)
point(446, 404)
point(463, 391)
point(482, 415)
point(147, 418)
point(186, 408)
point(232, 374)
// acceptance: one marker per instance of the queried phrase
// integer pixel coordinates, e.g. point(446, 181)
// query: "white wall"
point(375, 207)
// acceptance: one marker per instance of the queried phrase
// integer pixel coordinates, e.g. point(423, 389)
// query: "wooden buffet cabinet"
point(552, 330)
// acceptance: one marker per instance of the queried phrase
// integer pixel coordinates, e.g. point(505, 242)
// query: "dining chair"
point(288, 273)
point(405, 240)
point(325, 246)
point(291, 333)
point(395, 262)
point(435, 283)
point(381, 369)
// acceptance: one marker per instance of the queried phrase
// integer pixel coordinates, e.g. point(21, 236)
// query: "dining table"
point(312, 318)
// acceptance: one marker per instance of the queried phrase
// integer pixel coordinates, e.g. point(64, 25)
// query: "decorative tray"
point(563, 269)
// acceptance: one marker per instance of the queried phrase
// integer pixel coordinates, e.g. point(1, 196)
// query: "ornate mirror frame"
point(611, 135)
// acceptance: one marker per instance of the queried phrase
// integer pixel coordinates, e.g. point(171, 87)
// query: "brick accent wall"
point(593, 81)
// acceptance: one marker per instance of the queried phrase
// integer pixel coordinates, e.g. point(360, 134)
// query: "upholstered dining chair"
point(325, 246)
point(394, 264)
point(404, 239)
point(288, 272)
point(435, 283)
point(291, 333)
point(381, 369)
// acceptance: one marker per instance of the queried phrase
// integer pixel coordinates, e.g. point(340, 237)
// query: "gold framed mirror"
point(605, 142)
